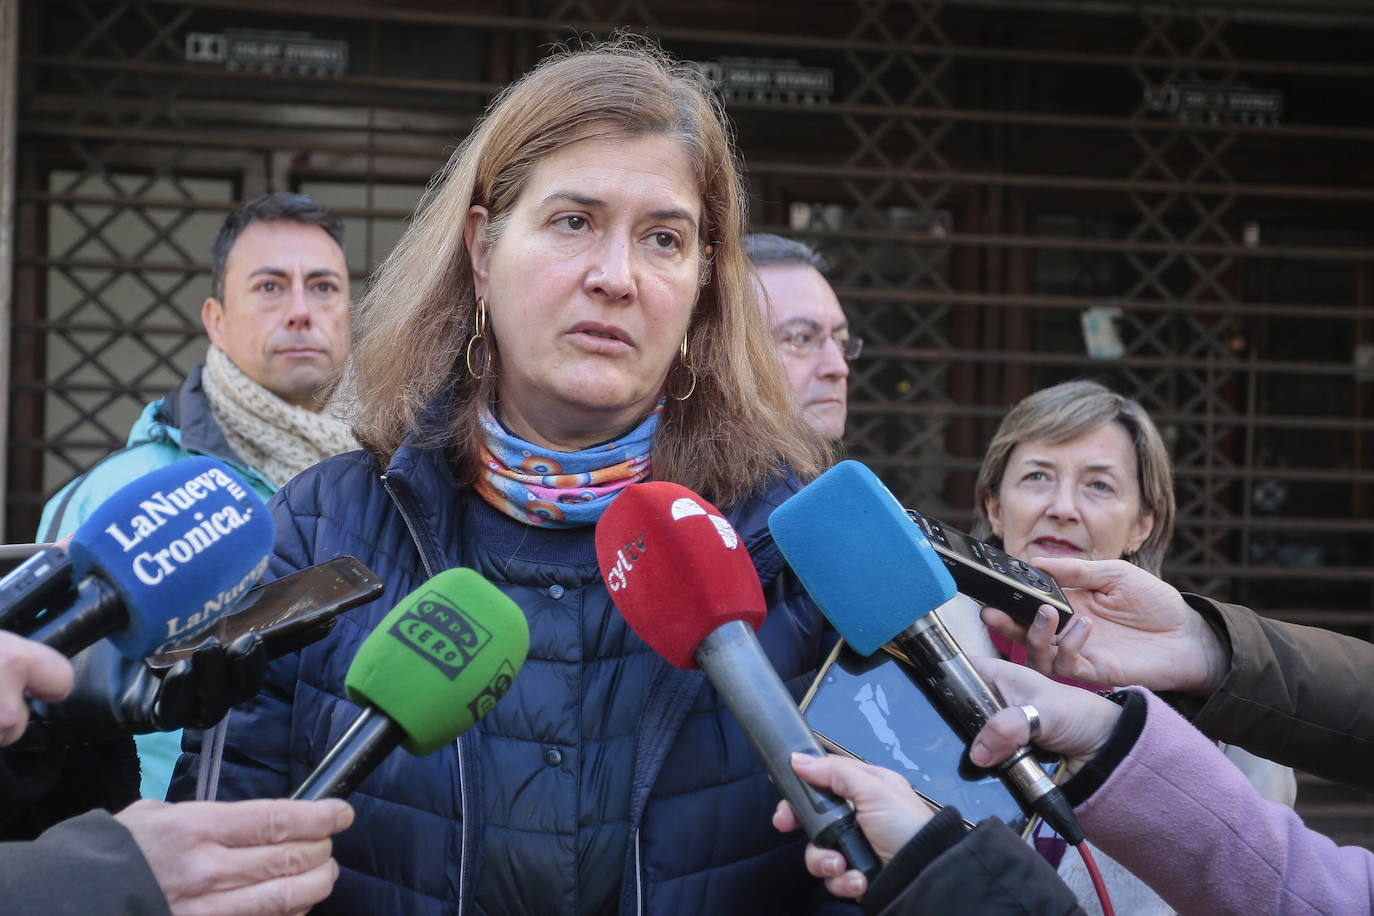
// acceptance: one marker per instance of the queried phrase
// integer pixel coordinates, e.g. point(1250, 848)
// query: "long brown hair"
point(739, 423)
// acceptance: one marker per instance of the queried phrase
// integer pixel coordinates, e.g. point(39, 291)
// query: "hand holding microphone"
point(889, 814)
point(686, 585)
point(266, 857)
point(161, 561)
point(434, 665)
point(1073, 722)
point(877, 582)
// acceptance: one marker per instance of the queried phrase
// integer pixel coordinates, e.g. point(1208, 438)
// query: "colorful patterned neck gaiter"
point(539, 486)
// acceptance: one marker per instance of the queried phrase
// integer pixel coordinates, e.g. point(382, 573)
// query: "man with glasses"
point(808, 325)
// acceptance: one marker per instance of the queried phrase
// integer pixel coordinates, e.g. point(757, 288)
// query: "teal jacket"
point(176, 427)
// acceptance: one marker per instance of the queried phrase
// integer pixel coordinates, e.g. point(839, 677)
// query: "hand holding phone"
point(289, 612)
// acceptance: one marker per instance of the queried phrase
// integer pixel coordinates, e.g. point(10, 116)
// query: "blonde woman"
point(1077, 470)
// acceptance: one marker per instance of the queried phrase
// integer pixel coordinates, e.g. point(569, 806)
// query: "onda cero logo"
point(442, 633)
point(496, 688)
point(686, 507)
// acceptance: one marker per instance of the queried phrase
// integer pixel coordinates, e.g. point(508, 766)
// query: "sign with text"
point(1216, 103)
point(762, 79)
point(269, 52)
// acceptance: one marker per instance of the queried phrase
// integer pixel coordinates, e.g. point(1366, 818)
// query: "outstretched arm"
point(1296, 695)
point(931, 864)
point(250, 857)
point(1128, 628)
point(1160, 799)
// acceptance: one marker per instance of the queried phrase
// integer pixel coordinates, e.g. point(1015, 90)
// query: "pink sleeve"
point(1186, 821)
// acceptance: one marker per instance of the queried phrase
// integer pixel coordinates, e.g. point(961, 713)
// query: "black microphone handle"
point(32, 584)
point(952, 683)
point(737, 667)
point(101, 613)
point(368, 740)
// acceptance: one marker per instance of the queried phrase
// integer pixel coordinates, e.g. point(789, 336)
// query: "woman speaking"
point(568, 313)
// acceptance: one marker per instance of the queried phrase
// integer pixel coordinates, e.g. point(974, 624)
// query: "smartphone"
point(874, 709)
point(992, 577)
point(284, 610)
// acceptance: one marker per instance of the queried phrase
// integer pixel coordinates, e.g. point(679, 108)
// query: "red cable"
point(1096, 875)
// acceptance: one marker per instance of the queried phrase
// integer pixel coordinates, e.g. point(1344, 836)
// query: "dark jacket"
point(947, 868)
point(1296, 695)
point(519, 811)
point(89, 864)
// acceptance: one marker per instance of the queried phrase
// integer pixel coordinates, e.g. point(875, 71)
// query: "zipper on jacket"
point(463, 794)
point(639, 878)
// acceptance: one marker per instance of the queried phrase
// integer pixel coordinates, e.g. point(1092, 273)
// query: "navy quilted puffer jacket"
point(605, 781)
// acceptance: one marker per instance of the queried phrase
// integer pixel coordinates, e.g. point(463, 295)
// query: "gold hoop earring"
point(480, 335)
point(686, 365)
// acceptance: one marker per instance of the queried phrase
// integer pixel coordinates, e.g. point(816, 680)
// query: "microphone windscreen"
point(675, 568)
point(441, 658)
point(179, 546)
point(860, 556)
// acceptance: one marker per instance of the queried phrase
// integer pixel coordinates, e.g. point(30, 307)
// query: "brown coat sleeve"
point(1294, 694)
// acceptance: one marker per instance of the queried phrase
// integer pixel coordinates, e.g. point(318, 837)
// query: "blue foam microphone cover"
point(860, 556)
point(179, 546)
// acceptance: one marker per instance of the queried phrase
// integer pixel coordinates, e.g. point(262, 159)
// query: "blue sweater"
point(605, 781)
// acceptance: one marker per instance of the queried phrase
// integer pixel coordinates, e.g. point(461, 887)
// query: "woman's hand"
point(1073, 721)
point(1128, 628)
point(889, 813)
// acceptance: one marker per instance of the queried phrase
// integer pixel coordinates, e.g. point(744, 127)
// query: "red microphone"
point(685, 583)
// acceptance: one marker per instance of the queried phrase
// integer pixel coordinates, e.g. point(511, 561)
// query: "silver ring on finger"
point(1032, 719)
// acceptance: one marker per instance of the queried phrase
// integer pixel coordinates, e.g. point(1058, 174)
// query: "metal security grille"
point(1171, 197)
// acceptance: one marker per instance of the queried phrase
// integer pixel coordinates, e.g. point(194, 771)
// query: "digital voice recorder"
point(992, 577)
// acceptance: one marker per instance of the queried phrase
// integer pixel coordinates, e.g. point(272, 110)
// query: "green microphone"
point(435, 665)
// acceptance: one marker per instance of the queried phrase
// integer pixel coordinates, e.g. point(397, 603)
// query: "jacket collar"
point(184, 418)
point(187, 409)
point(422, 484)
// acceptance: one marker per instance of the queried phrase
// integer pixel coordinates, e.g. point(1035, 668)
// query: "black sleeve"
point(89, 864)
point(42, 786)
point(1079, 787)
point(947, 868)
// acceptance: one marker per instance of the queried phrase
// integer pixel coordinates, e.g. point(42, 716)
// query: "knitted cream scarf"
point(278, 439)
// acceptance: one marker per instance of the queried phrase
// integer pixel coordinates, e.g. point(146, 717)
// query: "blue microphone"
point(161, 561)
point(877, 578)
